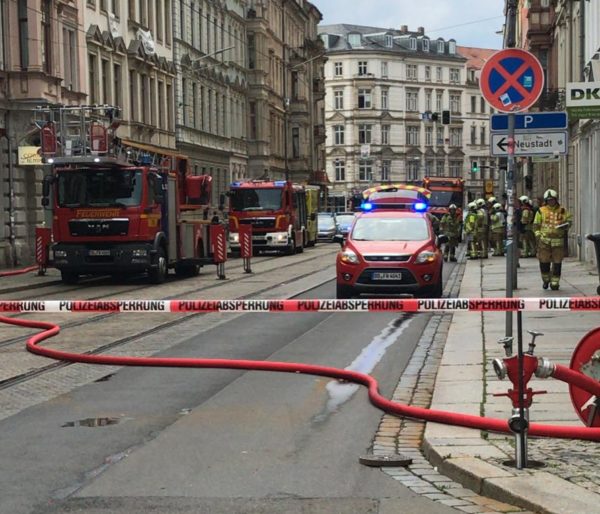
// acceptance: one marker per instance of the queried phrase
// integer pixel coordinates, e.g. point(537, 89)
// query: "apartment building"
point(42, 45)
point(385, 94)
point(210, 49)
point(286, 92)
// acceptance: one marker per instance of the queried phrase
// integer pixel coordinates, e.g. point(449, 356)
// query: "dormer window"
point(440, 46)
point(325, 39)
point(412, 43)
point(452, 47)
point(389, 40)
point(425, 45)
point(354, 40)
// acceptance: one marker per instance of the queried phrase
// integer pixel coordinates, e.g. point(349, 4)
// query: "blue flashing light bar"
point(366, 206)
point(280, 183)
point(236, 184)
point(420, 206)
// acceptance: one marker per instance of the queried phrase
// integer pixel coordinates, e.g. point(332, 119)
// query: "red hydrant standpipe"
point(399, 409)
point(18, 271)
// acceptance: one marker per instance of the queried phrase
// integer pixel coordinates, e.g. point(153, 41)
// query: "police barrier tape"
point(590, 303)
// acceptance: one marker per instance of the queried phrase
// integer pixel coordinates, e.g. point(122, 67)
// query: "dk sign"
point(583, 100)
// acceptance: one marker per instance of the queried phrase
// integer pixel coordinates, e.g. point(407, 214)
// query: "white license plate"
point(99, 253)
point(388, 275)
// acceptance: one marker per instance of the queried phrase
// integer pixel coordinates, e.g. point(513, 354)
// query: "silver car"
point(326, 227)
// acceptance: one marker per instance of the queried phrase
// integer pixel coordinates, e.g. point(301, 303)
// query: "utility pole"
point(286, 100)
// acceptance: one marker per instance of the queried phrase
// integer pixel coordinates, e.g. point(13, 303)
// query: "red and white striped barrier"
point(585, 303)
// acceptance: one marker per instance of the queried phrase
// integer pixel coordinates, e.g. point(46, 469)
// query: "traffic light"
point(434, 116)
point(474, 167)
point(445, 117)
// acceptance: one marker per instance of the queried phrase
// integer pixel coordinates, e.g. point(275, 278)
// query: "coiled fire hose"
point(399, 409)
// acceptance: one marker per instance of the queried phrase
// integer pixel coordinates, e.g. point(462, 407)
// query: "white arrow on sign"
point(544, 143)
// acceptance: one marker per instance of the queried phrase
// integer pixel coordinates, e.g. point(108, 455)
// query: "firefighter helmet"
point(472, 206)
point(480, 202)
point(550, 193)
point(497, 206)
point(492, 200)
point(452, 207)
point(524, 199)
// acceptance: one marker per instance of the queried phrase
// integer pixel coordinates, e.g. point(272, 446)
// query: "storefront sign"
point(30, 156)
point(583, 100)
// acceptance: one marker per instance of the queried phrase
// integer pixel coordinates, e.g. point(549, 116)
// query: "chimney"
point(404, 28)
point(421, 31)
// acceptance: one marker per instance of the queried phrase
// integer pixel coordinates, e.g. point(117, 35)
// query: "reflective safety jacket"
point(527, 217)
point(497, 220)
point(547, 224)
point(450, 225)
point(482, 221)
point(470, 222)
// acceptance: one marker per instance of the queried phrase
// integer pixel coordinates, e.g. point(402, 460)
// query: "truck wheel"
point(158, 274)
point(343, 292)
point(291, 249)
point(69, 277)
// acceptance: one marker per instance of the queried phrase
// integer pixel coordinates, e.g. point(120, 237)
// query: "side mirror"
point(442, 239)
point(156, 183)
point(45, 201)
point(339, 238)
point(221, 202)
point(46, 183)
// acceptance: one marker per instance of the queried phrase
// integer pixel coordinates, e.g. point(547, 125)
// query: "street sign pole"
point(510, 225)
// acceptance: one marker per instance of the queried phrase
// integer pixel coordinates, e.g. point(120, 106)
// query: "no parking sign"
point(511, 80)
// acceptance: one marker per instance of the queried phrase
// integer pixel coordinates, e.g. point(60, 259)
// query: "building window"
point(412, 43)
point(295, 142)
point(429, 168)
point(456, 137)
point(251, 50)
point(145, 97)
point(439, 168)
point(93, 78)
point(338, 69)
point(22, 13)
point(482, 136)
point(473, 104)
point(428, 73)
point(365, 170)
point(184, 102)
point(473, 135)
point(440, 46)
point(132, 95)
point(385, 134)
point(364, 99)
point(428, 136)
point(426, 45)
point(338, 134)
point(170, 107)
point(439, 101)
point(412, 135)
point(428, 104)
point(362, 67)
point(451, 47)
point(71, 59)
point(161, 105)
point(340, 170)
point(439, 75)
point(338, 97)
point(46, 39)
point(364, 134)
point(118, 85)
point(389, 40)
point(106, 82)
point(195, 105)
point(354, 40)
point(456, 168)
point(384, 70)
point(412, 100)
point(168, 22)
point(439, 136)
point(386, 166)
point(253, 120)
point(454, 75)
point(413, 170)
point(455, 103)
point(384, 100)
point(411, 71)
point(482, 103)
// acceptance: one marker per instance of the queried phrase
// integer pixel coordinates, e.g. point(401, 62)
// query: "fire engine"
point(444, 192)
point(283, 215)
point(117, 209)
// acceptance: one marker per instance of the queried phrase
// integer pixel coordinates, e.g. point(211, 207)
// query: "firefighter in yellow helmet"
point(450, 225)
point(482, 229)
point(551, 225)
point(526, 218)
point(497, 224)
point(470, 225)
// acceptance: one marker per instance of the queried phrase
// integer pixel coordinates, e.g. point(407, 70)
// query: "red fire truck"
point(445, 191)
point(283, 215)
point(118, 209)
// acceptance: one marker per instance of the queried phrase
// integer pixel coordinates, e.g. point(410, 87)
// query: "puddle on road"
point(92, 422)
point(369, 357)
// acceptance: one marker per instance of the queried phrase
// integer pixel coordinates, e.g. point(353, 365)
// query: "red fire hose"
point(399, 409)
point(19, 271)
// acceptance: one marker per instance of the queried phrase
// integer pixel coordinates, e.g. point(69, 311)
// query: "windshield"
point(345, 219)
point(256, 199)
point(100, 188)
point(445, 198)
point(390, 229)
point(326, 222)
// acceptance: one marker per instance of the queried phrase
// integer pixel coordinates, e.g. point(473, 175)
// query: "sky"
point(469, 22)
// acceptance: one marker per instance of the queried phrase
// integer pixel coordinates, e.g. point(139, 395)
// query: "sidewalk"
point(30, 280)
point(466, 382)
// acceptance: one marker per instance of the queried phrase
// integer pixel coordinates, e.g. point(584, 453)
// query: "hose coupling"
point(545, 368)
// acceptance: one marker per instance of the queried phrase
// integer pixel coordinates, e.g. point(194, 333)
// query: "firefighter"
point(450, 225)
point(551, 225)
point(470, 226)
point(482, 229)
point(497, 224)
point(435, 222)
point(526, 218)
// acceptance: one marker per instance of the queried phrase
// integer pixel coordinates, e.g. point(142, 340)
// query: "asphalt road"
point(220, 441)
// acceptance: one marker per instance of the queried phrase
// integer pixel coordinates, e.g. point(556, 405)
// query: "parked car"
point(390, 252)
point(327, 227)
point(344, 221)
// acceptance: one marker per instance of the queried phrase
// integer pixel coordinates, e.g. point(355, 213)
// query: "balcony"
point(319, 88)
point(551, 100)
point(319, 134)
